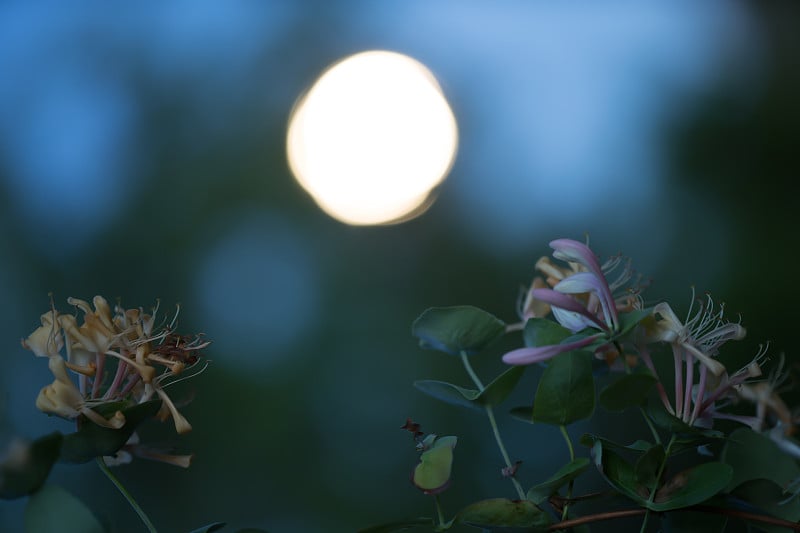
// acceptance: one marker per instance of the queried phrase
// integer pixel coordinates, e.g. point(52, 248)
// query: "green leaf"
point(628, 321)
point(618, 472)
point(400, 525)
point(432, 474)
point(566, 390)
point(685, 489)
point(499, 389)
point(692, 486)
point(525, 414)
point(456, 329)
point(589, 440)
point(660, 417)
point(54, 509)
point(92, 440)
point(648, 465)
point(209, 528)
point(765, 495)
point(541, 492)
point(543, 332)
point(24, 472)
point(754, 456)
point(449, 393)
point(628, 391)
point(687, 436)
point(493, 394)
point(500, 512)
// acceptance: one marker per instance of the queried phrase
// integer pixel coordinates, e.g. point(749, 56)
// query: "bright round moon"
point(372, 138)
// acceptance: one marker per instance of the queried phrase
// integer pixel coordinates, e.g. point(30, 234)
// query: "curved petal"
point(527, 356)
point(569, 312)
point(569, 250)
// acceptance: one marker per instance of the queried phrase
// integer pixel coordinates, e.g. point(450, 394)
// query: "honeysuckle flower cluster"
point(120, 355)
point(580, 297)
point(587, 298)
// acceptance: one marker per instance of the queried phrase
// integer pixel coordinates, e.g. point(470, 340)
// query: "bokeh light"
point(372, 138)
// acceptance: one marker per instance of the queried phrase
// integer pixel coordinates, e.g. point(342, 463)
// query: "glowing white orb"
point(372, 138)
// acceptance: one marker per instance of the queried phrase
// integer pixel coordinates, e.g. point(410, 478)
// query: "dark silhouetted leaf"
point(25, 470)
point(92, 440)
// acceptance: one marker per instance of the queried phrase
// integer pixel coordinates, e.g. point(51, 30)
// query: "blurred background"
point(143, 155)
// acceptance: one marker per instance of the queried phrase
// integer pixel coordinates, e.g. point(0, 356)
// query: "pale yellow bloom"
point(62, 398)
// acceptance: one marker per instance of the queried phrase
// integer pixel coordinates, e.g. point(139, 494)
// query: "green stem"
point(503, 452)
point(565, 434)
point(139, 511)
point(654, 489)
point(650, 425)
point(439, 512)
point(568, 441)
point(475, 379)
point(490, 413)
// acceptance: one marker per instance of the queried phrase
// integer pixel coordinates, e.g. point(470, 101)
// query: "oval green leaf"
point(543, 332)
point(767, 496)
point(500, 512)
point(92, 440)
point(618, 472)
point(432, 474)
point(499, 389)
point(692, 486)
point(628, 321)
point(23, 473)
point(648, 466)
point(754, 456)
point(523, 414)
point(449, 393)
point(630, 390)
point(457, 329)
point(54, 509)
point(566, 390)
point(541, 492)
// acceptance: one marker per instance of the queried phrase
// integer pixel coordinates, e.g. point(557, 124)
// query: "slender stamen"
point(644, 353)
point(147, 372)
point(701, 390)
point(100, 360)
point(689, 383)
point(122, 371)
point(677, 354)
